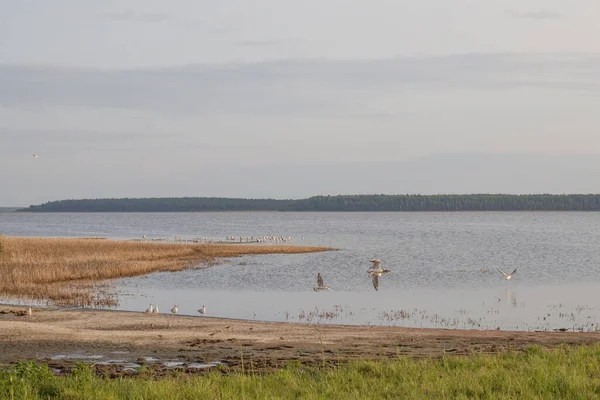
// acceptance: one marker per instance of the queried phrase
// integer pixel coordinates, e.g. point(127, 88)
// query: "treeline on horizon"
point(468, 202)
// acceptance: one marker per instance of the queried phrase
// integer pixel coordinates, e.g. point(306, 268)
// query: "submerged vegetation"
point(70, 271)
point(468, 202)
point(566, 372)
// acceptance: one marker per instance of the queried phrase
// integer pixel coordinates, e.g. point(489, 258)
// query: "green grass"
point(562, 373)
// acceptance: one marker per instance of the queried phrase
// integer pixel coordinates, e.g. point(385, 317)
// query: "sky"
point(288, 99)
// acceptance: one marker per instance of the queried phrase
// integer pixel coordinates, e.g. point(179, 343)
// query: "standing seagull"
point(150, 309)
point(320, 285)
point(175, 309)
point(29, 312)
point(202, 310)
point(507, 276)
point(155, 311)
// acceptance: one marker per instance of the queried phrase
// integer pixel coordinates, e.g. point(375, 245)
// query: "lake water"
point(444, 266)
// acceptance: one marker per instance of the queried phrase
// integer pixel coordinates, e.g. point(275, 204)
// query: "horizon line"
point(311, 196)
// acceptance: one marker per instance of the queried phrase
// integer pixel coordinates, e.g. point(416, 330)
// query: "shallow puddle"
point(124, 365)
point(79, 357)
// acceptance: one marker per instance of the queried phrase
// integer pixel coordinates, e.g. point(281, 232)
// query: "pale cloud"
point(127, 16)
point(133, 33)
point(257, 43)
point(536, 15)
point(296, 88)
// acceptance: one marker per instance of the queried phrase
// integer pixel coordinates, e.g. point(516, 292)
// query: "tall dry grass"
point(71, 271)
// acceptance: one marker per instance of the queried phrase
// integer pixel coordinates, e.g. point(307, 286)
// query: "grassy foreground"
point(68, 271)
point(565, 373)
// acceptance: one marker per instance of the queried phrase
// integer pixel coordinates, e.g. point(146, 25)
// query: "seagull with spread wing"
point(507, 276)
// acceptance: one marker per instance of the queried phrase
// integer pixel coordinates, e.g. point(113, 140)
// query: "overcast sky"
point(288, 99)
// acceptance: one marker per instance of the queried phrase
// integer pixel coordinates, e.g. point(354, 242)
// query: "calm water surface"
point(444, 266)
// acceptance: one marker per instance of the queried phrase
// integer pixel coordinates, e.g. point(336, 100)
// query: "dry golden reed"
point(72, 271)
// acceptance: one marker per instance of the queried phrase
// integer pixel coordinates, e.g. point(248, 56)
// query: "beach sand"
point(132, 336)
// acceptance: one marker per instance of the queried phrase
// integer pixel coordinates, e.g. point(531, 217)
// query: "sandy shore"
point(132, 336)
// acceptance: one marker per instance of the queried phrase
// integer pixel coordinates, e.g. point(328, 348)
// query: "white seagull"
point(202, 310)
point(155, 311)
point(35, 155)
point(507, 276)
point(150, 309)
point(320, 285)
point(29, 312)
point(375, 272)
point(175, 309)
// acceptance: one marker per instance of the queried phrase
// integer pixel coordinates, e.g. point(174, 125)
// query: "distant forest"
point(469, 202)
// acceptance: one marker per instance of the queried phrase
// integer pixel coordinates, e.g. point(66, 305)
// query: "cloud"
point(133, 16)
point(64, 141)
point(265, 42)
point(535, 15)
point(257, 43)
point(300, 88)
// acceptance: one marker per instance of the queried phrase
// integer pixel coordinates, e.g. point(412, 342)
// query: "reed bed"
point(73, 271)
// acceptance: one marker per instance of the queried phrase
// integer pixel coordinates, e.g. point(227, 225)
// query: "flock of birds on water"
point(228, 239)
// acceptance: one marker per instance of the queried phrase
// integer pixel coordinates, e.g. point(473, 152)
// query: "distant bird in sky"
point(320, 285)
point(202, 310)
point(375, 272)
point(507, 276)
point(35, 155)
point(175, 309)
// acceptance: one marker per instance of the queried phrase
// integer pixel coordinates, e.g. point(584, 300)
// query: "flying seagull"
point(35, 155)
point(320, 285)
point(375, 272)
point(507, 276)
